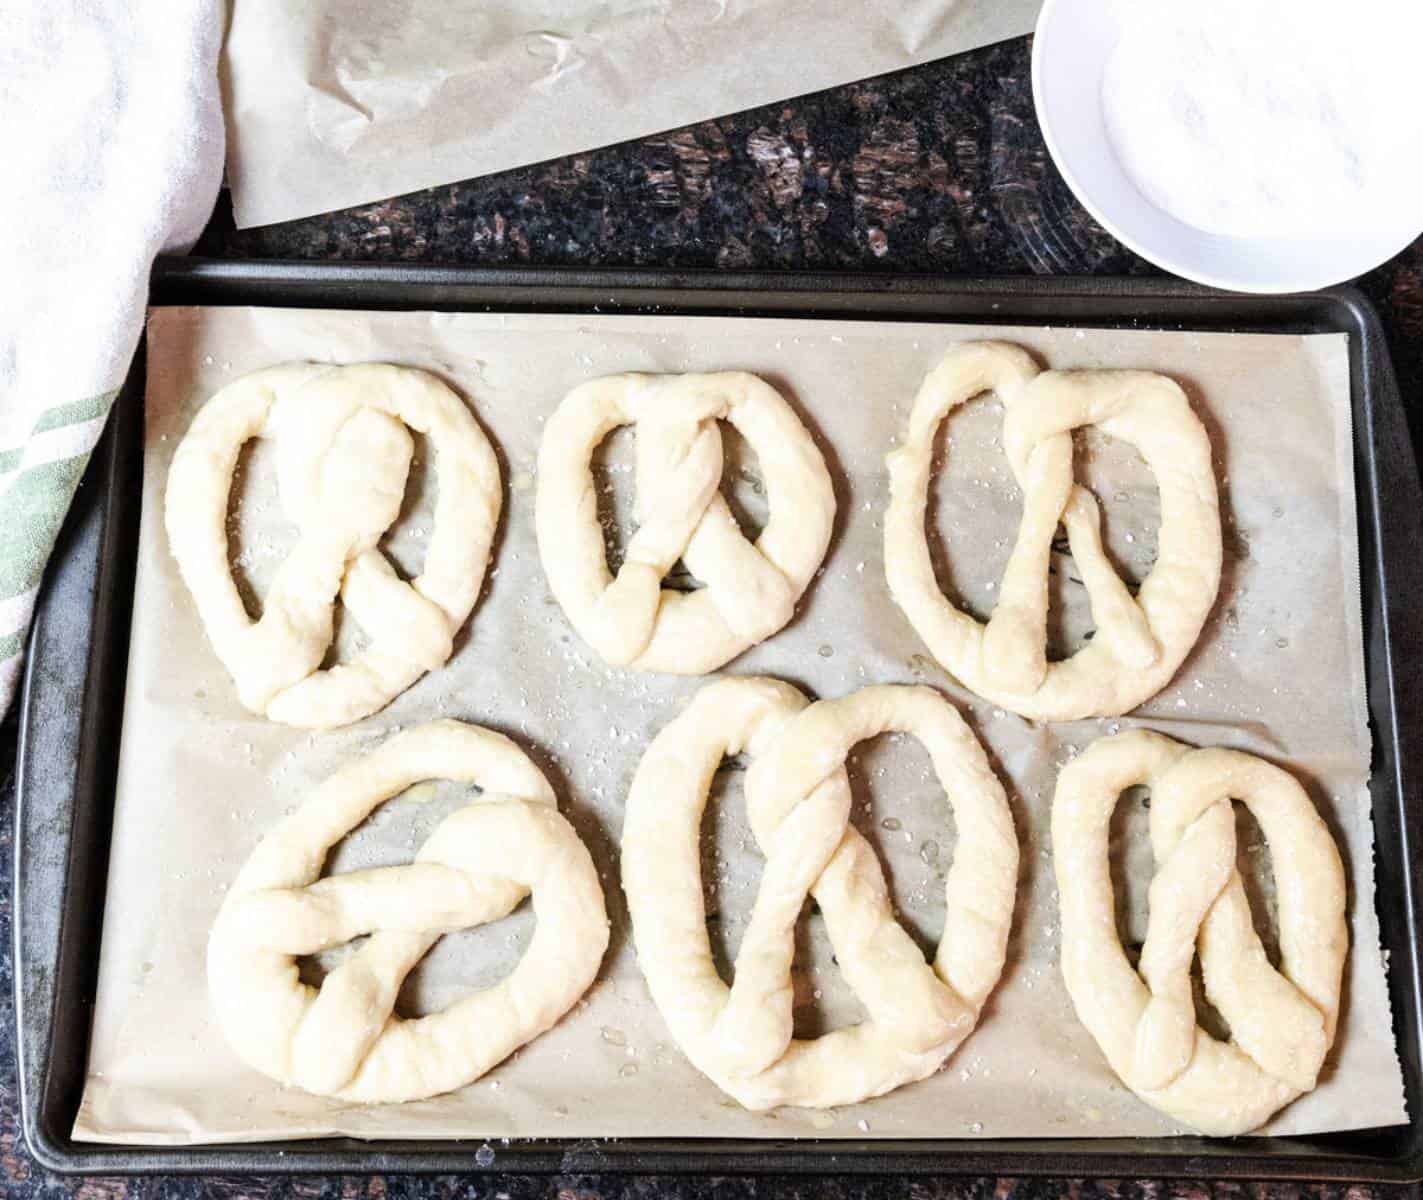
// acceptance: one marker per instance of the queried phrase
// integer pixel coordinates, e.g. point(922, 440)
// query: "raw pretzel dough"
point(798, 800)
point(1139, 642)
point(1281, 1022)
point(344, 453)
point(751, 590)
point(480, 862)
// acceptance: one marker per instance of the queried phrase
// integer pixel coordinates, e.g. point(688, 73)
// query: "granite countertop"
point(938, 169)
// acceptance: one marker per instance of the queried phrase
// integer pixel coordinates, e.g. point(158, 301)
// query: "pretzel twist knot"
point(1140, 640)
point(751, 589)
point(798, 801)
point(1281, 1021)
point(343, 1039)
point(344, 452)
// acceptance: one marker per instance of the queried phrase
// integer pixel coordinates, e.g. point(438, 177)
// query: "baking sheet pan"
point(976, 302)
point(1278, 670)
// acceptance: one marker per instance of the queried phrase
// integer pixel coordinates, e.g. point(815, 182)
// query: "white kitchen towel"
point(112, 142)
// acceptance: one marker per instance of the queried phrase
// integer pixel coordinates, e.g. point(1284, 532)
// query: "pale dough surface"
point(751, 589)
point(344, 451)
point(1281, 1021)
point(344, 1039)
point(798, 801)
point(1140, 640)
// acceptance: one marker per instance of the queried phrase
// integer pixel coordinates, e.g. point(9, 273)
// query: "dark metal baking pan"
point(72, 702)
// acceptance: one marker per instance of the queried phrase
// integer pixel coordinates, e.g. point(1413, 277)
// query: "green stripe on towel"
point(72, 414)
point(31, 512)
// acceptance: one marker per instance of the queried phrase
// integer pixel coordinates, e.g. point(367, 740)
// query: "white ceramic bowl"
point(1074, 40)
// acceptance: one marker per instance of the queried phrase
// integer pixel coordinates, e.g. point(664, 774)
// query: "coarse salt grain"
point(1266, 119)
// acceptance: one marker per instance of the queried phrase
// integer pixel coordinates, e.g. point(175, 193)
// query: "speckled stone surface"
point(938, 169)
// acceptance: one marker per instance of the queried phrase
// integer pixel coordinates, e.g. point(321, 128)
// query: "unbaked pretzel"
point(1140, 641)
point(343, 455)
point(343, 1039)
point(798, 800)
point(1281, 1022)
point(751, 590)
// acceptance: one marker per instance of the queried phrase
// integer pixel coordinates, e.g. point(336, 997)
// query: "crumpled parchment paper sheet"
point(332, 103)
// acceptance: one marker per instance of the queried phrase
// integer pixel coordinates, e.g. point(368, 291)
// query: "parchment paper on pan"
point(1278, 671)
